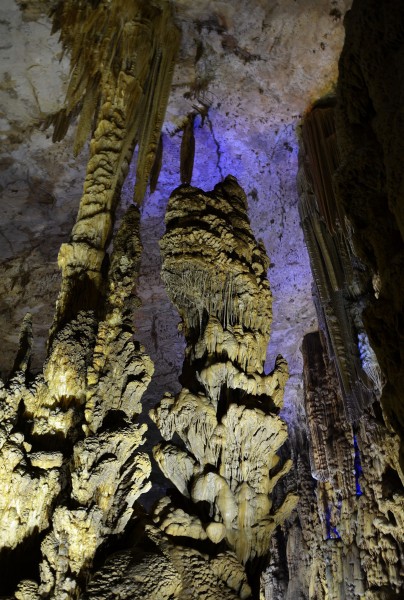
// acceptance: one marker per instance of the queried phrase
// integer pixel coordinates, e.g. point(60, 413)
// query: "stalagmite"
point(222, 432)
point(227, 413)
point(81, 490)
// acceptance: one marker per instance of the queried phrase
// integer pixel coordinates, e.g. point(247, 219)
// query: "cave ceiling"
point(246, 73)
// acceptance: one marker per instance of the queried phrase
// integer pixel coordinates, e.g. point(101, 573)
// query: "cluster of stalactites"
point(122, 54)
point(122, 60)
point(321, 160)
point(215, 273)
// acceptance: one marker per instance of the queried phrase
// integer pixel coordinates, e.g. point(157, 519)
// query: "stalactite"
point(156, 168)
point(187, 150)
point(120, 53)
point(122, 58)
point(321, 162)
point(95, 375)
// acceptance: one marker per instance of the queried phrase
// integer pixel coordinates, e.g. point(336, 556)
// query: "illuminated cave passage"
point(201, 275)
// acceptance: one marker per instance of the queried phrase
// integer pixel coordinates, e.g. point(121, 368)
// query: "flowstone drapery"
point(226, 415)
point(341, 280)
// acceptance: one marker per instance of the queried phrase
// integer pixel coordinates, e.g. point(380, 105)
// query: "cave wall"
point(349, 186)
point(370, 179)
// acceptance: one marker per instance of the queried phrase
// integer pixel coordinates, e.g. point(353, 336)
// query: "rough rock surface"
point(78, 417)
point(119, 82)
point(358, 491)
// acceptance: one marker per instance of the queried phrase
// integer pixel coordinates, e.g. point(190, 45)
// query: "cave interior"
point(202, 299)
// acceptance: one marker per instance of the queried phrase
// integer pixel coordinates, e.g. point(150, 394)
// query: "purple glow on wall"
point(265, 165)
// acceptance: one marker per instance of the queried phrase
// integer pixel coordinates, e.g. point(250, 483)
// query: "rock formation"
point(71, 465)
point(227, 412)
point(345, 540)
point(370, 178)
point(222, 431)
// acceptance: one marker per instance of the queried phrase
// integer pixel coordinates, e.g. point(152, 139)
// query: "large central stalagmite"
point(222, 431)
point(227, 412)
